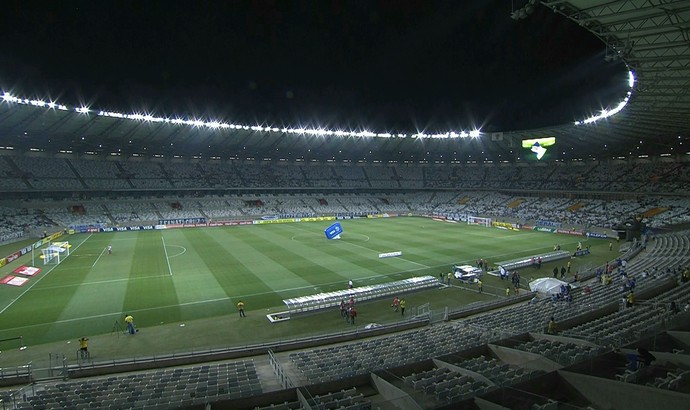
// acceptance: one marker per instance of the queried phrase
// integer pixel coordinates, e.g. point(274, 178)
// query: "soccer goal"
point(55, 253)
point(476, 220)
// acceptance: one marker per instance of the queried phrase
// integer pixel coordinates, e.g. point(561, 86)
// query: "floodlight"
point(474, 133)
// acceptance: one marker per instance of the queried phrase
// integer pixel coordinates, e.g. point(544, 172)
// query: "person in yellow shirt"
point(479, 285)
point(240, 307)
point(84, 347)
point(507, 292)
point(129, 320)
point(552, 329)
point(630, 299)
point(402, 306)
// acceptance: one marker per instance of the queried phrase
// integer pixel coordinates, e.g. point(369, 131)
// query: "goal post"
point(477, 220)
point(55, 253)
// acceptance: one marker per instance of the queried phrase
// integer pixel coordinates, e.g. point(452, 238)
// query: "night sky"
point(389, 65)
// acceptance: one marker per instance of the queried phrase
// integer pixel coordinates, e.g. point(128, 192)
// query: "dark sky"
point(392, 65)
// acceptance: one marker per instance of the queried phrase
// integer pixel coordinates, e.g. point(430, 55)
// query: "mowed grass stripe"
point(106, 277)
point(419, 248)
point(291, 256)
point(349, 260)
point(35, 306)
point(219, 250)
point(465, 243)
point(149, 261)
point(251, 251)
point(353, 257)
point(413, 233)
point(451, 243)
point(191, 276)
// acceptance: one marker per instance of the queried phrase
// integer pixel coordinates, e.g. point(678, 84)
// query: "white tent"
point(548, 286)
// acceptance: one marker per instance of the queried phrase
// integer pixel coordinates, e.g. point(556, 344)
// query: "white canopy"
point(548, 286)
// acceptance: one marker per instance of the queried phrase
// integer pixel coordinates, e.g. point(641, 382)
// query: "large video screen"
point(538, 145)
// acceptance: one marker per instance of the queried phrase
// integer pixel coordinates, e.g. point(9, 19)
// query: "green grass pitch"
point(181, 275)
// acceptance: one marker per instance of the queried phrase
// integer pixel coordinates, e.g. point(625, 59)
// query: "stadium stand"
point(591, 325)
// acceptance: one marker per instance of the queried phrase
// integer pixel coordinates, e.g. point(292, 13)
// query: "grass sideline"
point(195, 276)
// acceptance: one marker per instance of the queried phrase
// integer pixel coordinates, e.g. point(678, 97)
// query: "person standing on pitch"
point(396, 303)
point(240, 307)
point(84, 347)
point(110, 249)
point(129, 320)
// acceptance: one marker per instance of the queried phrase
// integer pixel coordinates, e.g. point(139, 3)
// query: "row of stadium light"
point(608, 113)
point(9, 98)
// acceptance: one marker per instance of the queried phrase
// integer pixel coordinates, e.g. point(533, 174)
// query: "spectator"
point(552, 328)
point(630, 299)
point(343, 309)
point(645, 357)
point(84, 347)
point(396, 303)
point(673, 308)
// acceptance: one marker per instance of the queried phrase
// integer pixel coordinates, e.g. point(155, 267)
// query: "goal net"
point(55, 253)
point(476, 220)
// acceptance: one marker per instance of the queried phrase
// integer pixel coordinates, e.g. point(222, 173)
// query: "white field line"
point(399, 257)
point(198, 302)
point(377, 252)
point(99, 257)
point(233, 297)
point(100, 282)
point(166, 256)
point(39, 279)
point(184, 250)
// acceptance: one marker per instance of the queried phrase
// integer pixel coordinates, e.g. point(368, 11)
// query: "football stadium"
point(158, 253)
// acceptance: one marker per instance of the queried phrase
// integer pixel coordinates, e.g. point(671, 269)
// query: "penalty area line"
point(39, 279)
point(166, 256)
point(99, 257)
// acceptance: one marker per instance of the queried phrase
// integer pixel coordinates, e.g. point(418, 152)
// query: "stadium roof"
point(652, 39)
